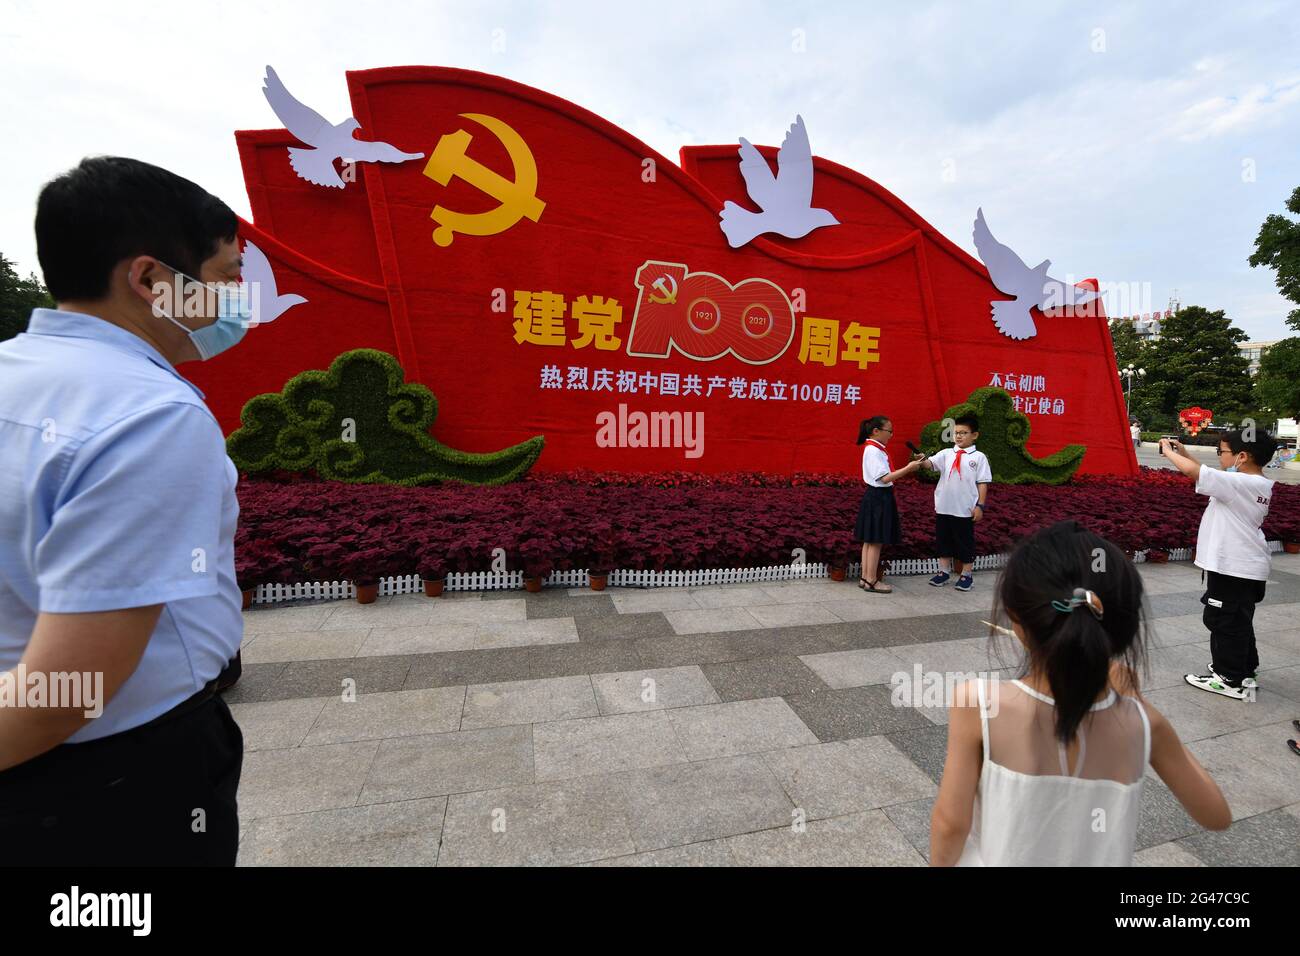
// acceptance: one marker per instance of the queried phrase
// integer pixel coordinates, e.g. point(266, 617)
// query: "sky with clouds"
point(1139, 143)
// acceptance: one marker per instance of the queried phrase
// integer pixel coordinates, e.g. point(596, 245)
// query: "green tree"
point(1197, 361)
point(17, 299)
point(1129, 347)
point(1278, 386)
point(1278, 247)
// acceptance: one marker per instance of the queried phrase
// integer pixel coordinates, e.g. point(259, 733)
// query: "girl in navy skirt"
point(878, 523)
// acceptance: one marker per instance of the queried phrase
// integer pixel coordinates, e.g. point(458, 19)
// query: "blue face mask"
point(1231, 468)
point(234, 313)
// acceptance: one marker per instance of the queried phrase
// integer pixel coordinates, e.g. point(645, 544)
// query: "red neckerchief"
point(872, 441)
point(956, 461)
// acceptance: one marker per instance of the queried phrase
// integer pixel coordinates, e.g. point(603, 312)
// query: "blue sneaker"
point(940, 579)
point(965, 583)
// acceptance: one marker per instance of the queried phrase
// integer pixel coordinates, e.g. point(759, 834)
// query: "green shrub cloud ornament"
point(1003, 433)
point(361, 421)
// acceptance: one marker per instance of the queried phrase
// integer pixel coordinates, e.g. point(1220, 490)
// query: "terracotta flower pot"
point(1291, 547)
point(838, 574)
point(248, 598)
point(598, 580)
point(1158, 557)
point(533, 584)
point(367, 593)
point(434, 588)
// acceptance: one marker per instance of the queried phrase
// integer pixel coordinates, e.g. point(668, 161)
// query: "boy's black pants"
point(162, 794)
point(1230, 616)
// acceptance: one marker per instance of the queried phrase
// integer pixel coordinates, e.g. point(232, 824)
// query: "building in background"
point(1253, 351)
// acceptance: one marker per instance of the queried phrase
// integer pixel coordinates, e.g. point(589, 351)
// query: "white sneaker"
point(1215, 685)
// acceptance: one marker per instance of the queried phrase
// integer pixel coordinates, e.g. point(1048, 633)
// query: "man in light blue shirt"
point(117, 524)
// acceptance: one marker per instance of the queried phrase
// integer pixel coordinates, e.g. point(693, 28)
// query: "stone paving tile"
point(913, 821)
point(629, 601)
point(559, 604)
point(420, 639)
point(701, 649)
point(858, 668)
point(527, 702)
point(280, 646)
point(860, 839)
point(830, 780)
point(853, 712)
point(596, 657)
point(711, 620)
point(548, 824)
point(1177, 604)
point(599, 745)
point(623, 627)
point(741, 727)
point(544, 631)
point(652, 689)
point(275, 782)
point(974, 655)
point(740, 596)
point(267, 618)
point(1268, 839)
point(872, 607)
point(406, 768)
point(273, 725)
point(773, 676)
point(477, 612)
point(387, 834)
point(1285, 682)
point(705, 800)
point(468, 667)
point(926, 747)
point(1166, 854)
point(256, 683)
point(1250, 785)
point(326, 678)
point(708, 853)
point(403, 713)
point(1161, 818)
point(785, 615)
point(349, 616)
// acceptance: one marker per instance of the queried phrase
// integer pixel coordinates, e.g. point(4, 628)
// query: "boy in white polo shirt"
point(1231, 549)
point(964, 479)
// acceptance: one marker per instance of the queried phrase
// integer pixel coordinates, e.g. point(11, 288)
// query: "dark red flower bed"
point(306, 530)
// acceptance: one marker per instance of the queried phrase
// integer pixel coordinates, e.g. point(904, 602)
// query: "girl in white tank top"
point(1047, 770)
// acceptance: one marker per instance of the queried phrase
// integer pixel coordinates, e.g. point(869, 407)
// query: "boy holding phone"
point(1231, 549)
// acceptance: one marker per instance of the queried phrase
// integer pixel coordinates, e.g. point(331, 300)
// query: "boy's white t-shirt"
point(1136, 432)
point(957, 492)
point(875, 465)
point(1230, 540)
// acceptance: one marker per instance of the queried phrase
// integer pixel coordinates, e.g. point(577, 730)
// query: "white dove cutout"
point(1032, 288)
point(786, 199)
point(268, 304)
point(329, 142)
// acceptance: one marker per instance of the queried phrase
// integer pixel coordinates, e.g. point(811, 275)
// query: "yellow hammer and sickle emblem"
point(518, 198)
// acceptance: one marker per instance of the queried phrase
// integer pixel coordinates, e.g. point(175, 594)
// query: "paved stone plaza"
point(505, 728)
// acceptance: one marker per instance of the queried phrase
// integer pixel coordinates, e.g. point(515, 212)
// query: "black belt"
point(228, 674)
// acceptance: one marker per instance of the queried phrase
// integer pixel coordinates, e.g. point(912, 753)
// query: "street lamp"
point(1129, 372)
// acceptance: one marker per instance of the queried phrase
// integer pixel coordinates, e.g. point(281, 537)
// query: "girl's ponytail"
point(1075, 659)
point(1078, 601)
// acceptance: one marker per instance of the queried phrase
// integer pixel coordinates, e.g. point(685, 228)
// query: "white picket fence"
point(514, 580)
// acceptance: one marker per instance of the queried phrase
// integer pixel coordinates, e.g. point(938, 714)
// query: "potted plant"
point(1291, 547)
point(605, 542)
point(433, 568)
point(364, 568)
point(538, 562)
point(260, 562)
